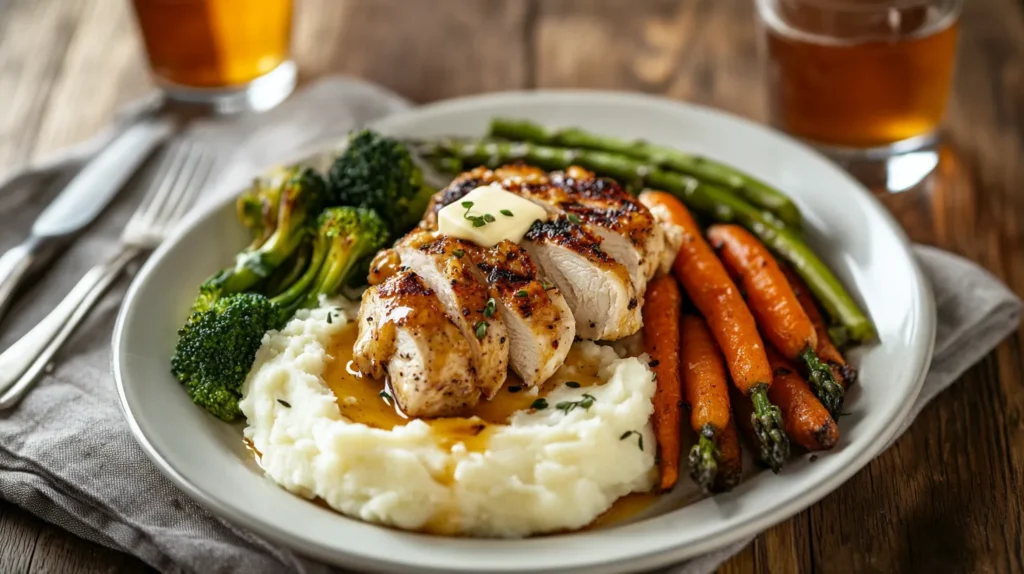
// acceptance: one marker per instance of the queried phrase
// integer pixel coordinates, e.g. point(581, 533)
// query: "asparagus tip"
point(823, 383)
point(704, 460)
point(767, 422)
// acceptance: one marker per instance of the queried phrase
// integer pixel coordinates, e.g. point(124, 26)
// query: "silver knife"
point(82, 199)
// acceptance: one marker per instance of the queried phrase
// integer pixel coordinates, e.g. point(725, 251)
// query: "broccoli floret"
point(217, 346)
point(345, 237)
point(257, 206)
point(251, 214)
point(377, 172)
point(302, 195)
point(353, 236)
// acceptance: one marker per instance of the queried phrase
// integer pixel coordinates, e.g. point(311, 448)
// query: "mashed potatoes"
point(547, 470)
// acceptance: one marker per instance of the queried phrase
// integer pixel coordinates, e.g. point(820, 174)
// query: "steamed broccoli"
point(218, 344)
point(251, 213)
point(377, 172)
point(303, 246)
point(257, 206)
point(353, 235)
point(302, 195)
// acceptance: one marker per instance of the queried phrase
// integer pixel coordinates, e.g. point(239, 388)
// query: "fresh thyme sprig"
point(585, 403)
point(478, 220)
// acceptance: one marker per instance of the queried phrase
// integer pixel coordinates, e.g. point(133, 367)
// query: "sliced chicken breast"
point(444, 266)
point(540, 325)
point(586, 260)
point(404, 333)
point(597, 288)
point(673, 236)
point(628, 230)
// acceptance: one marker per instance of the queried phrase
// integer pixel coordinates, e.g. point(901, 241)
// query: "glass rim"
point(767, 14)
point(855, 6)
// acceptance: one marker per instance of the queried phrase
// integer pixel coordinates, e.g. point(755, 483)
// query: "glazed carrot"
point(845, 374)
point(661, 339)
point(779, 314)
point(706, 388)
point(713, 292)
point(730, 462)
point(705, 383)
point(807, 422)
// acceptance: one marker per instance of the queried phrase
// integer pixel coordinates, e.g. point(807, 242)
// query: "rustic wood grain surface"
point(947, 497)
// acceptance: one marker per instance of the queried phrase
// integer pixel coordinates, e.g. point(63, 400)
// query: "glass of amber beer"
point(861, 79)
point(232, 55)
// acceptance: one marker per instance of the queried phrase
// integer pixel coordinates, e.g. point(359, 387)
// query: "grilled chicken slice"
point(443, 265)
point(673, 236)
point(540, 325)
point(601, 291)
point(597, 288)
point(538, 322)
point(405, 333)
point(626, 228)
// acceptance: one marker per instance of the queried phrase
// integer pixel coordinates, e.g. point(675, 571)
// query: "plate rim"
point(774, 513)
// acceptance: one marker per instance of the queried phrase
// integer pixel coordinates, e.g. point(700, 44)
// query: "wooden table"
point(947, 497)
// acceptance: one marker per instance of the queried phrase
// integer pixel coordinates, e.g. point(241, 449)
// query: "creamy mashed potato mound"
point(546, 470)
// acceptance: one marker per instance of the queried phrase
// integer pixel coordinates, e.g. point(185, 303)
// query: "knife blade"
point(82, 199)
point(99, 180)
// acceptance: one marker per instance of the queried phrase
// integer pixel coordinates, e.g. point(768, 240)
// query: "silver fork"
point(182, 173)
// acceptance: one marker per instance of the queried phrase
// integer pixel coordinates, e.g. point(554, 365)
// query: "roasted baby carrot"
point(807, 422)
point(706, 388)
point(779, 314)
point(713, 292)
point(661, 338)
point(705, 382)
point(844, 373)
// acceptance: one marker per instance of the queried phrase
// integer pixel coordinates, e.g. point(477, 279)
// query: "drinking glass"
point(859, 79)
point(232, 55)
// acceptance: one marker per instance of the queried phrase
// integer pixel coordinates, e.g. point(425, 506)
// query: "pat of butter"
point(489, 214)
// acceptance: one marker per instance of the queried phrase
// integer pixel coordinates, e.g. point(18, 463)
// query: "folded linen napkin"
point(66, 453)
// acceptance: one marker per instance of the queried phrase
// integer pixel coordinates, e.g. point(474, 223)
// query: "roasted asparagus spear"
point(754, 191)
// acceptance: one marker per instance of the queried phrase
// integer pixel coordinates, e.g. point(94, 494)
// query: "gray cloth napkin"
point(66, 453)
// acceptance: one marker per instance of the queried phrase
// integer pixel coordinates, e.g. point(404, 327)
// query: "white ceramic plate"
point(847, 227)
